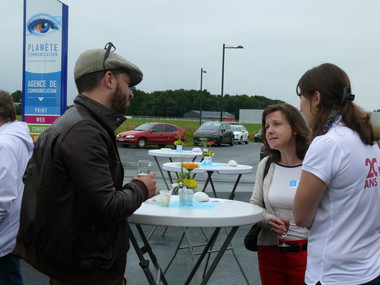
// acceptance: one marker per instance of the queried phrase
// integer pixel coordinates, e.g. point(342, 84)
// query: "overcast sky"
point(171, 40)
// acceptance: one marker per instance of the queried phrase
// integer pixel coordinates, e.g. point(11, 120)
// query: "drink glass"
point(287, 224)
point(143, 167)
point(165, 197)
point(285, 217)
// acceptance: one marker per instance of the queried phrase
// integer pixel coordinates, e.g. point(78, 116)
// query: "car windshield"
point(236, 128)
point(144, 127)
point(212, 126)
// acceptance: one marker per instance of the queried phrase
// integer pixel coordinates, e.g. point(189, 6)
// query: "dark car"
point(217, 132)
point(151, 133)
point(263, 151)
point(258, 136)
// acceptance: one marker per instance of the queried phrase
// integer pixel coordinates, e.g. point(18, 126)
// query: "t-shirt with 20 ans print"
point(344, 240)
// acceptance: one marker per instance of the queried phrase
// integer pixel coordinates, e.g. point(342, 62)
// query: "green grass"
point(189, 126)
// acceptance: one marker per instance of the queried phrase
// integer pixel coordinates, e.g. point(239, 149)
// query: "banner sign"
point(44, 63)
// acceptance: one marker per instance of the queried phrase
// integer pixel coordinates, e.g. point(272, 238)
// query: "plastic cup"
point(165, 197)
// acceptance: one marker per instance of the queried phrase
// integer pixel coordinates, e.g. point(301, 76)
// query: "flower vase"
point(208, 160)
point(185, 196)
point(179, 147)
point(189, 194)
point(181, 196)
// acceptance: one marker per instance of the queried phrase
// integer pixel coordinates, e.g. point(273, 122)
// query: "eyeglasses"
point(108, 47)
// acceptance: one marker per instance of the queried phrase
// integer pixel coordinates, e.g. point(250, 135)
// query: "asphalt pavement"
point(164, 241)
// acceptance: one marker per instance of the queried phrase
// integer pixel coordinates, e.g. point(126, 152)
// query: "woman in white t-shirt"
point(338, 197)
point(286, 136)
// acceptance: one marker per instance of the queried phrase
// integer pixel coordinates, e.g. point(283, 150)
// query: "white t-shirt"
point(344, 240)
point(281, 196)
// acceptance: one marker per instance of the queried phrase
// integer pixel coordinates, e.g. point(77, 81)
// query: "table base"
point(146, 249)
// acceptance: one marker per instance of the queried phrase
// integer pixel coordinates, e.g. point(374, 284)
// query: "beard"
point(119, 101)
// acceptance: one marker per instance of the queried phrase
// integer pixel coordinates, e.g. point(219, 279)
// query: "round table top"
point(215, 213)
point(173, 153)
point(221, 168)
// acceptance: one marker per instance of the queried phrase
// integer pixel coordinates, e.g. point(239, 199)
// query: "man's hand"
point(150, 183)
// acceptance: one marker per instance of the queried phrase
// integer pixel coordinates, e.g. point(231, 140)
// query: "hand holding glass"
point(287, 224)
point(143, 167)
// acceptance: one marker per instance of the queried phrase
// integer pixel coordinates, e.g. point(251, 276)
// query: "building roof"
point(211, 113)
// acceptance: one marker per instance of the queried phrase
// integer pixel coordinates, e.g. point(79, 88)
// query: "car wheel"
point(232, 140)
point(125, 145)
point(246, 142)
point(141, 142)
point(241, 140)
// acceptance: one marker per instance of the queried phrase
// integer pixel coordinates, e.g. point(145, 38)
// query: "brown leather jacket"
point(73, 224)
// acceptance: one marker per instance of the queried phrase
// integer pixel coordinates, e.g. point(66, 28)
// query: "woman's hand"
point(277, 225)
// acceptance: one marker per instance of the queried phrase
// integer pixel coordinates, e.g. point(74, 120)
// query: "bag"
point(250, 240)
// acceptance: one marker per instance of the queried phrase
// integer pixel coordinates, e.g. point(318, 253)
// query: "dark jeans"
point(373, 282)
point(10, 273)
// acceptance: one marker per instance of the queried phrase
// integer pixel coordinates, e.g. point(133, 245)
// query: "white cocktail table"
point(217, 214)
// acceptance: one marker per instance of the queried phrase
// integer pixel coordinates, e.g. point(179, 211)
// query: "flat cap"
point(95, 60)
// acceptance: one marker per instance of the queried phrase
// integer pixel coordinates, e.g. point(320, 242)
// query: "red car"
point(151, 133)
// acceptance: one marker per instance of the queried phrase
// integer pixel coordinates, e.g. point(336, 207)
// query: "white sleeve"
point(323, 158)
point(8, 180)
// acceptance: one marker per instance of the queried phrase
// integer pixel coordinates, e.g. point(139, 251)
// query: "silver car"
point(240, 134)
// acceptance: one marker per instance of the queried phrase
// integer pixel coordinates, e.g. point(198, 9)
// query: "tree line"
point(175, 103)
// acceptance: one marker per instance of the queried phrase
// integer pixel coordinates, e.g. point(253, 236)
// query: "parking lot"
point(163, 245)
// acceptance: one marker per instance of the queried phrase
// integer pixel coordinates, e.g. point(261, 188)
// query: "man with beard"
point(73, 223)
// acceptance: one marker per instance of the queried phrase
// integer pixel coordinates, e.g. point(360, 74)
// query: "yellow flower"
point(178, 141)
point(190, 183)
point(186, 178)
point(207, 152)
point(207, 149)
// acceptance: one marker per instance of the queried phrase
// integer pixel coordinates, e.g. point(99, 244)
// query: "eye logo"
point(43, 24)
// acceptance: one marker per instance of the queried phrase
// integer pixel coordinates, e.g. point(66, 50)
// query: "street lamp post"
point(221, 92)
point(200, 97)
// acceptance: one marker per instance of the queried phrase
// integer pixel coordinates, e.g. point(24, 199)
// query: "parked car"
point(258, 136)
point(217, 132)
point(240, 134)
point(151, 134)
point(263, 151)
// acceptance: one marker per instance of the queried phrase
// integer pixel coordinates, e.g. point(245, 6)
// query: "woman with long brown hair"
point(338, 196)
point(282, 246)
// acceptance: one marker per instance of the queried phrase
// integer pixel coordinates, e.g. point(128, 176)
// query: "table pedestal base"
point(146, 248)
